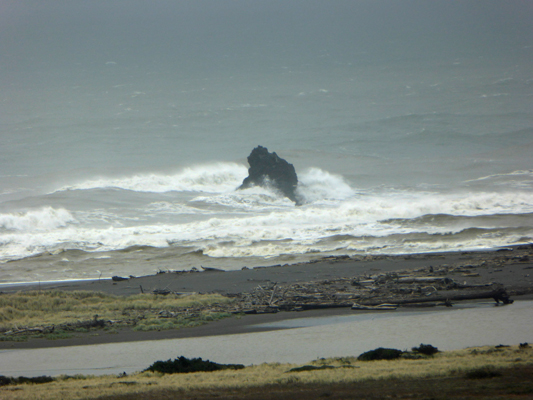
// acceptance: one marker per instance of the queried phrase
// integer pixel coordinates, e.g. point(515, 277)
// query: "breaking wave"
point(42, 220)
point(221, 178)
point(212, 178)
point(521, 173)
point(316, 184)
point(280, 227)
point(222, 223)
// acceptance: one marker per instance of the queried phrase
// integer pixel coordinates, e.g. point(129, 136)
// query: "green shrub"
point(311, 368)
point(425, 349)
point(380, 354)
point(6, 380)
point(185, 365)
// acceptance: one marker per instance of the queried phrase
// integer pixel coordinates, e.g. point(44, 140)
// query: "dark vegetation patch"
point(483, 373)
point(425, 349)
point(183, 365)
point(380, 353)
point(310, 368)
point(7, 380)
point(315, 368)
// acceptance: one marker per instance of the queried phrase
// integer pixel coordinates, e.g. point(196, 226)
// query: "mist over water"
point(125, 128)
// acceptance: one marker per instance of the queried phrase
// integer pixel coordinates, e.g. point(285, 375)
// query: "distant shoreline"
point(212, 265)
point(33, 284)
point(235, 281)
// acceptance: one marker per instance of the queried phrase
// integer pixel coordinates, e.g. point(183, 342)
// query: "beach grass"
point(506, 369)
point(54, 308)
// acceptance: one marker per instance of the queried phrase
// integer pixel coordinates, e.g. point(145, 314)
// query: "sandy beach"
point(509, 268)
point(271, 337)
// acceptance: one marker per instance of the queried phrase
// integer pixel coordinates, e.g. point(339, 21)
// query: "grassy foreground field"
point(475, 373)
point(56, 314)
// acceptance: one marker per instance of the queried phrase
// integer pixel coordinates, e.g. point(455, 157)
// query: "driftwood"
point(162, 292)
point(29, 330)
point(92, 323)
point(498, 295)
point(312, 306)
point(425, 287)
point(272, 296)
point(424, 279)
point(380, 307)
point(426, 305)
point(210, 269)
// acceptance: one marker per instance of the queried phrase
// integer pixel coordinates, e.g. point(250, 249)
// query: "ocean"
point(125, 129)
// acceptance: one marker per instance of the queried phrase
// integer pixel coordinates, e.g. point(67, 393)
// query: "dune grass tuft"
point(32, 309)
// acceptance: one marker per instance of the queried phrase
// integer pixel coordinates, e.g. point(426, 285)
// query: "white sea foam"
point(316, 184)
point(42, 220)
point(525, 173)
point(277, 228)
point(211, 178)
point(225, 222)
point(519, 179)
point(166, 207)
point(254, 199)
point(412, 204)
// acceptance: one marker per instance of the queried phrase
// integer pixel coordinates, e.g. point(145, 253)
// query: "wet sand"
point(510, 267)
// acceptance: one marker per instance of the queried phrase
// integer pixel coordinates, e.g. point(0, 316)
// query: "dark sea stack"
point(268, 169)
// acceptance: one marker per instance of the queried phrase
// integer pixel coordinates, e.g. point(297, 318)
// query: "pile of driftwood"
point(427, 287)
point(47, 329)
point(423, 288)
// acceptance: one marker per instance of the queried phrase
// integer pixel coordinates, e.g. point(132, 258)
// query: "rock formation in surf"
point(268, 169)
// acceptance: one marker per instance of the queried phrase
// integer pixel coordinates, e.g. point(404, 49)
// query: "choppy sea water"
point(113, 167)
